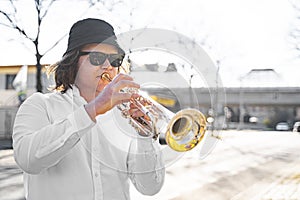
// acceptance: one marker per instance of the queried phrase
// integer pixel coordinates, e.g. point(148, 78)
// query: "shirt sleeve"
point(146, 167)
point(39, 143)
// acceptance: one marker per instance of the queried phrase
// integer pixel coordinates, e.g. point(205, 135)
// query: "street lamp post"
point(241, 106)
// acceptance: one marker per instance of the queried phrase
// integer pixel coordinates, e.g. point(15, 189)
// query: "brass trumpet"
point(182, 130)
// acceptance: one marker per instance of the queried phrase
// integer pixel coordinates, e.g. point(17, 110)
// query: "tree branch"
point(15, 26)
point(46, 11)
point(55, 44)
point(5, 25)
point(13, 5)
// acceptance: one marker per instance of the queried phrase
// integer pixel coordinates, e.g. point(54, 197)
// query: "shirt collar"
point(75, 92)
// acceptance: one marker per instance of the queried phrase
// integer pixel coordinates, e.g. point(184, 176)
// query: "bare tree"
point(41, 8)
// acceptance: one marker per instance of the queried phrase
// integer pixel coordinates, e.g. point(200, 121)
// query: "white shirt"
point(65, 155)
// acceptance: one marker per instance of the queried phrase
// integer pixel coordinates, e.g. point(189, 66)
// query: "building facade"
point(259, 105)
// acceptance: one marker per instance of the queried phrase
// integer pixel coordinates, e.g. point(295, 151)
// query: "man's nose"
point(106, 64)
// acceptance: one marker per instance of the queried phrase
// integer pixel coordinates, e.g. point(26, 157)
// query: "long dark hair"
point(65, 71)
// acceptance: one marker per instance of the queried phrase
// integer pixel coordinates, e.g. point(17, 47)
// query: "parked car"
point(296, 127)
point(282, 126)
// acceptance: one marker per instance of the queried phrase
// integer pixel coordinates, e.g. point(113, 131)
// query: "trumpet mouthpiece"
point(106, 77)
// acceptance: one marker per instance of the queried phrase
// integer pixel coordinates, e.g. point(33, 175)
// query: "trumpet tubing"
point(182, 130)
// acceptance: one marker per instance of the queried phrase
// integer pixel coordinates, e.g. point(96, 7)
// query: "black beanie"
point(88, 31)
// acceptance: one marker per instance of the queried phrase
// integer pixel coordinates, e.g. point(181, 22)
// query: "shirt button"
point(96, 174)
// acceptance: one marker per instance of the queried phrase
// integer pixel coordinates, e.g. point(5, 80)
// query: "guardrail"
point(7, 118)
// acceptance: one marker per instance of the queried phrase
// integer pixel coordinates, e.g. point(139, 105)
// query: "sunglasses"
point(98, 58)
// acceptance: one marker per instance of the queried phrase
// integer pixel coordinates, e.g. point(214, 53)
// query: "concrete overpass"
point(233, 105)
point(283, 96)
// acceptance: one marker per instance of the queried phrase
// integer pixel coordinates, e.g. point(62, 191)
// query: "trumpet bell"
point(185, 130)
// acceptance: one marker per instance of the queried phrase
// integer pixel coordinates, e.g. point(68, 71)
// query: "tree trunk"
point(39, 86)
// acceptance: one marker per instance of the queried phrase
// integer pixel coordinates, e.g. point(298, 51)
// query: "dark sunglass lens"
point(116, 63)
point(116, 60)
point(97, 58)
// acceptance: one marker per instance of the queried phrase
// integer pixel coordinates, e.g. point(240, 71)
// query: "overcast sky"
point(243, 34)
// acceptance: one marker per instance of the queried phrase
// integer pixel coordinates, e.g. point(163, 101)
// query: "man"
point(70, 143)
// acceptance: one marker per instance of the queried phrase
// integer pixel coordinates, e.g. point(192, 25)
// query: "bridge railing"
point(7, 117)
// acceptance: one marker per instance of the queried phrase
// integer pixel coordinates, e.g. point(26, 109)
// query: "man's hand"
point(111, 95)
point(136, 103)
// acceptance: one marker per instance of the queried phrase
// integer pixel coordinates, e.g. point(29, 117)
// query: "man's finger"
point(125, 83)
point(121, 76)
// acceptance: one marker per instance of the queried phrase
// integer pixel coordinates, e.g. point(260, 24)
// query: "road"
point(242, 165)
